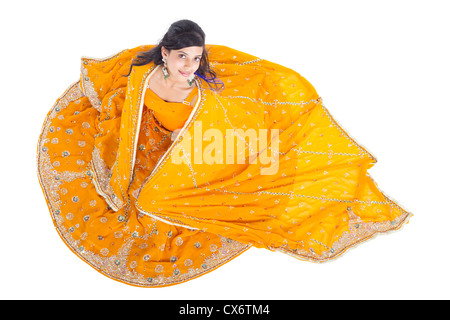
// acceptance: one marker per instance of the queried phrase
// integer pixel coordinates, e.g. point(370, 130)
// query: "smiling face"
point(182, 63)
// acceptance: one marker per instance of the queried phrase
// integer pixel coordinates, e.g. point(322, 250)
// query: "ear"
point(164, 52)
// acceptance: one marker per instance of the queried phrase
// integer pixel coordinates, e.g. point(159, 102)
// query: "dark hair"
point(181, 34)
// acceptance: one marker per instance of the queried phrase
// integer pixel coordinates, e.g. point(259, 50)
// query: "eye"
point(197, 59)
point(182, 56)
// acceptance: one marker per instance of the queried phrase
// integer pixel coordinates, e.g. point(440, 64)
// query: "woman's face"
point(182, 63)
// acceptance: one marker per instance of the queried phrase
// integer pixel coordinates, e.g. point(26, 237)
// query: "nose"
point(188, 63)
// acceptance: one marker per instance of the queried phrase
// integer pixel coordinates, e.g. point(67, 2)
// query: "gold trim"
point(333, 254)
point(99, 190)
point(98, 60)
point(141, 107)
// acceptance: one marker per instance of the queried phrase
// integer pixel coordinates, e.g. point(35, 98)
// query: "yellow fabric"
point(148, 211)
point(172, 115)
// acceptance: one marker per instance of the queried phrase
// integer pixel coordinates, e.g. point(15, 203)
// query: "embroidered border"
point(89, 90)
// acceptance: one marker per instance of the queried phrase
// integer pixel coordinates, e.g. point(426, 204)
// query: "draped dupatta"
point(300, 186)
point(112, 181)
point(303, 188)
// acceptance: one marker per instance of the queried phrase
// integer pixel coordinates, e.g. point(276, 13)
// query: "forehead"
point(192, 51)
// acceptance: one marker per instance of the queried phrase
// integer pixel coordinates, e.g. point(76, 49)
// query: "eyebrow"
point(188, 54)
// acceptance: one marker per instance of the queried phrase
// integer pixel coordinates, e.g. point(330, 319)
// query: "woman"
point(164, 162)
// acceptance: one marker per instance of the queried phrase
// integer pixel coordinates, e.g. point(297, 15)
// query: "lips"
point(185, 74)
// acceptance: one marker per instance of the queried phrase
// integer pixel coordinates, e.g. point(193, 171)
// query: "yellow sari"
point(261, 163)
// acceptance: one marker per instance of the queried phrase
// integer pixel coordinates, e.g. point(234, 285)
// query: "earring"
point(191, 79)
point(164, 69)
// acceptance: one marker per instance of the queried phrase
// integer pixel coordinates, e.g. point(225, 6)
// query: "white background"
point(381, 67)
